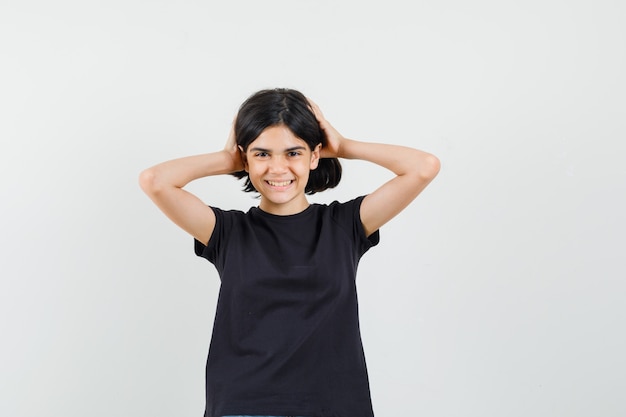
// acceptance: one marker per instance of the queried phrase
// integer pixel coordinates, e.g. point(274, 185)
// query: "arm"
point(164, 183)
point(414, 170)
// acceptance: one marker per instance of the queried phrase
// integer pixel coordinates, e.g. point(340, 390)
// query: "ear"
point(315, 156)
point(244, 158)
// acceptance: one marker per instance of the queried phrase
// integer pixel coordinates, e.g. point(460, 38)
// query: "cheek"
point(254, 170)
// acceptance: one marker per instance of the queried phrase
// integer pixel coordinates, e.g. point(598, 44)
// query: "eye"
point(294, 153)
point(261, 154)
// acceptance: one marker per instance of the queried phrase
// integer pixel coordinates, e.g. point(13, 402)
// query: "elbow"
point(429, 167)
point(148, 181)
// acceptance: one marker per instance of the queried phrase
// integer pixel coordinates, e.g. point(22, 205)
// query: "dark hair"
point(283, 106)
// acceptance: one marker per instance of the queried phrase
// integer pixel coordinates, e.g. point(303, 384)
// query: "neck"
point(284, 209)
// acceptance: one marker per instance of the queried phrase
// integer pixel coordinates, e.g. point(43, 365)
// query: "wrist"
point(343, 148)
point(234, 160)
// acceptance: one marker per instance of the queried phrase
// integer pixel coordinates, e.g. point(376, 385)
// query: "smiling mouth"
point(279, 183)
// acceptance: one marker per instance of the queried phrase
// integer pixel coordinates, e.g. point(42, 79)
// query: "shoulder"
point(227, 221)
point(346, 210)
point(355, 202)
point(228, 225)
point(230, 213)
point(347, 216)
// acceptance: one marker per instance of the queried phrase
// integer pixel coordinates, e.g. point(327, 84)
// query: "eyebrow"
point(293, 148)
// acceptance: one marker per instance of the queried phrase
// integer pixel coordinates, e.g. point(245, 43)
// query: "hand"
point(233, 149)
point(334, 138)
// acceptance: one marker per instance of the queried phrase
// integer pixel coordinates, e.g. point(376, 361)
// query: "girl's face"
point(278, 164)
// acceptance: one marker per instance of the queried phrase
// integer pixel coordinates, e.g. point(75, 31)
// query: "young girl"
point(286, 339)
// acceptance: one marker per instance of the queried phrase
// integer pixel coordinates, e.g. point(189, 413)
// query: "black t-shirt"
point(286, 338)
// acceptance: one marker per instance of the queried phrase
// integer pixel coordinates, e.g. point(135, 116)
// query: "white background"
point(499, 292)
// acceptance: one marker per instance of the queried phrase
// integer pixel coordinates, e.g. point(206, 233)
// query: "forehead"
point(277, 138)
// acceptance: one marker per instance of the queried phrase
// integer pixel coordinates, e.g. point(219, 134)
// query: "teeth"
point(279, 184)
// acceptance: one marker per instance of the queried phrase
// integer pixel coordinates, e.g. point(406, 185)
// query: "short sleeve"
point(348, 216)
point(374, 238)
point(210, 250)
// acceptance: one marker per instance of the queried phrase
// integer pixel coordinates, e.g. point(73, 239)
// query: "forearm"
point(179, 172)
point(401, 160)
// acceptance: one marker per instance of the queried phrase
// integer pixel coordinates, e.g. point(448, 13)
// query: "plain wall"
point(499, 292)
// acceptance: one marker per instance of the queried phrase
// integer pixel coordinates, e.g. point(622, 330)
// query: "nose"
point(278, 164)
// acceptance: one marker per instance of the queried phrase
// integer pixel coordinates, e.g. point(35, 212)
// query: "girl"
point(286, 339)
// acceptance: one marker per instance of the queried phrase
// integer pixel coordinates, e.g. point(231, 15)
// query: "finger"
point(316, 109)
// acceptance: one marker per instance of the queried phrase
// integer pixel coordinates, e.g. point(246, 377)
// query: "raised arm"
point(414, 170)
point(164, 183)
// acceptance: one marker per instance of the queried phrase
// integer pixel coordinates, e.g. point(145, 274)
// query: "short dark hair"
point(290, 108)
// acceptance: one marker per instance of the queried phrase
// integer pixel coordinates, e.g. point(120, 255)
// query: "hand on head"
point(333, 137)
point(233, 149)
